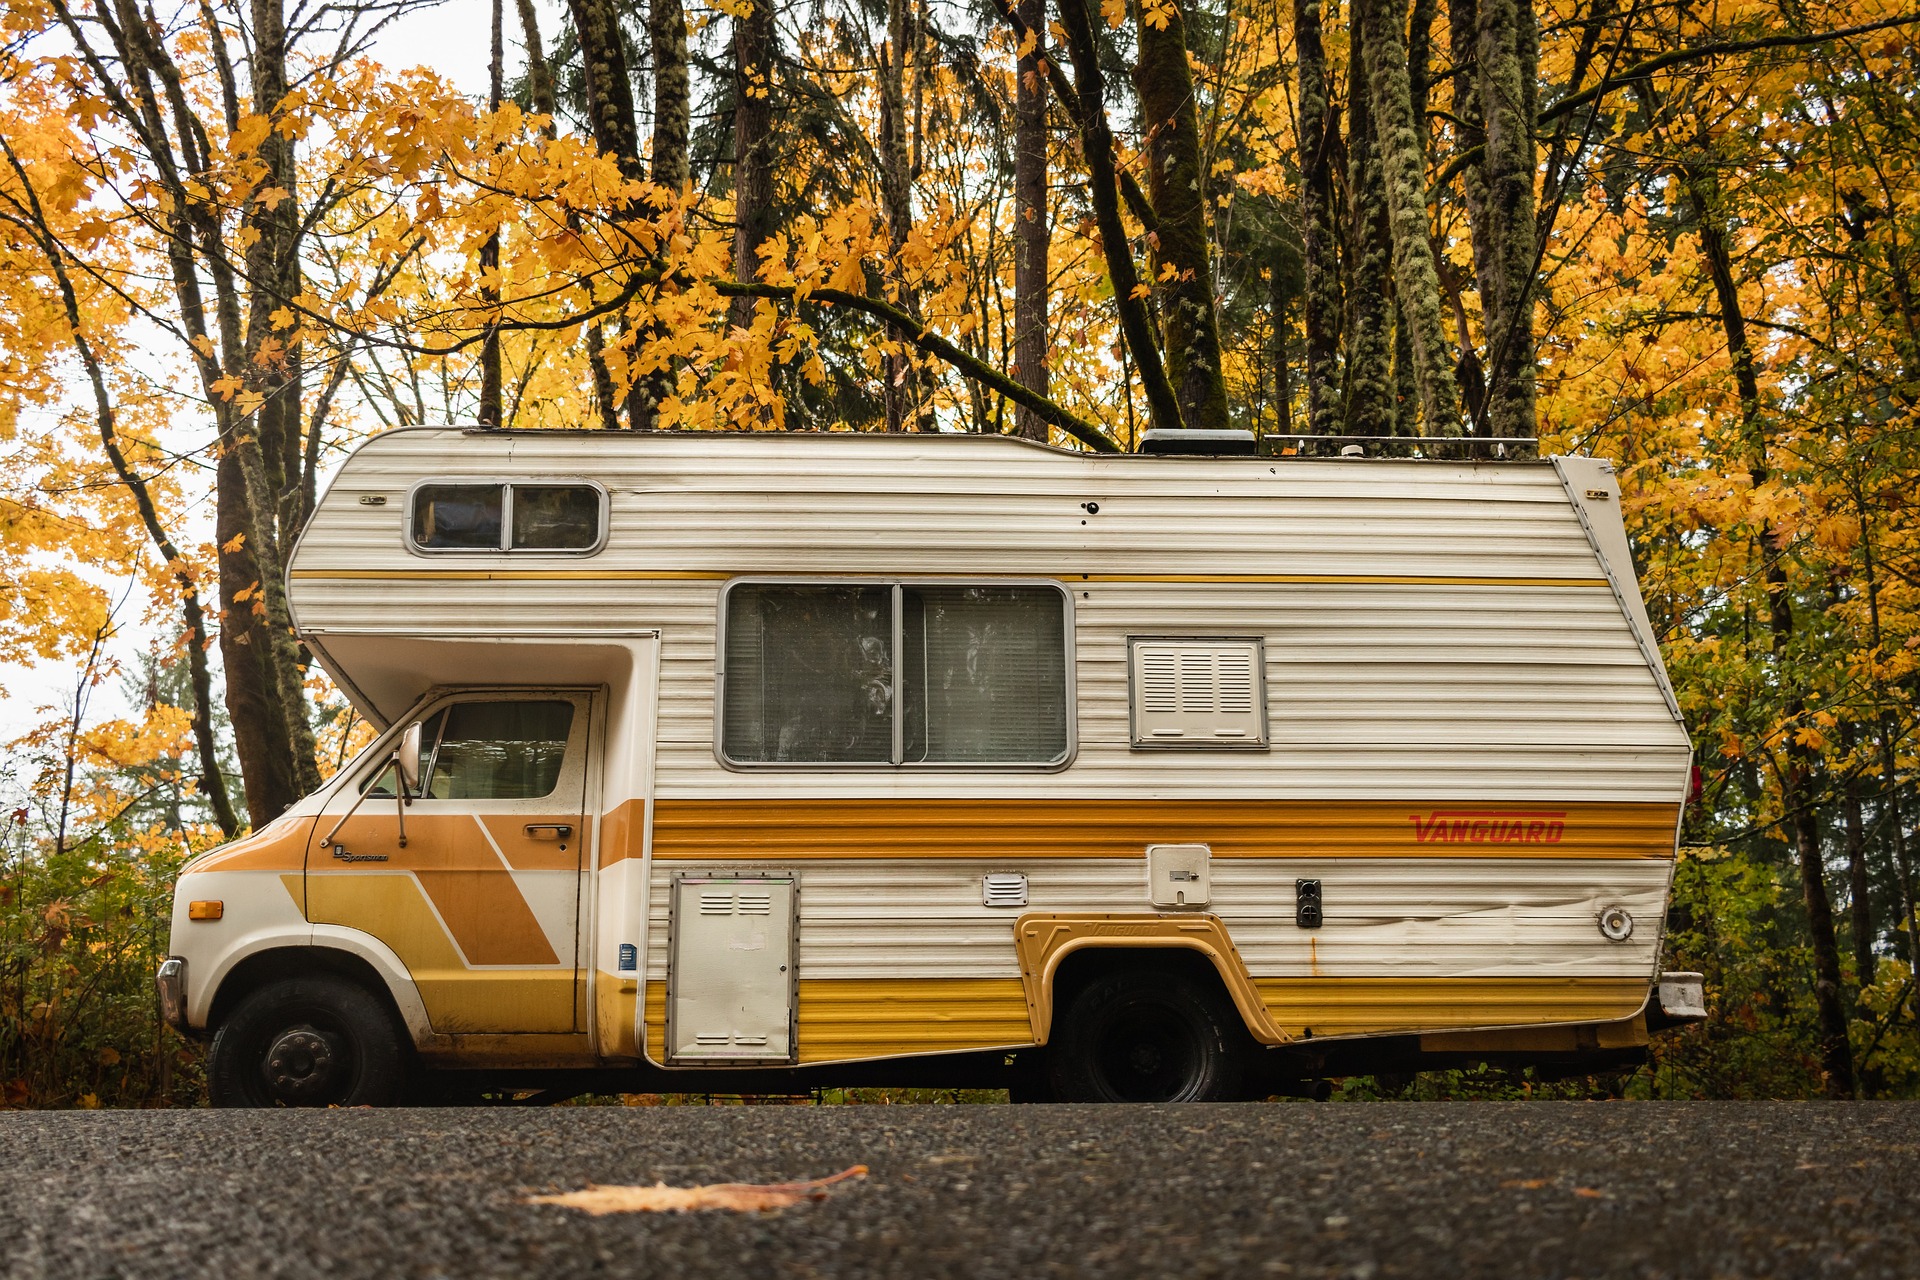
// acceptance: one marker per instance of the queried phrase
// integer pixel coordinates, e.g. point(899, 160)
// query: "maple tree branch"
point(932, 343)
point(1714, 49)
point(1673, 58)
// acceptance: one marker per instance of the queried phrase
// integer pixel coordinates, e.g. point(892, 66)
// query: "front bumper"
point(171, 984)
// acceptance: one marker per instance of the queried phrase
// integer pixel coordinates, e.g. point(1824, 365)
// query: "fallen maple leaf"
point(740, 1197)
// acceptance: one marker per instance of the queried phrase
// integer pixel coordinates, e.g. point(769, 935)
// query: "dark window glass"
point(462, 517)
point(809, 675)
point(496, 750)
point(555, 517)
point(984, 675)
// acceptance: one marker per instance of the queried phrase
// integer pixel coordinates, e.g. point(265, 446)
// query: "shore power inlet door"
point(730, 981)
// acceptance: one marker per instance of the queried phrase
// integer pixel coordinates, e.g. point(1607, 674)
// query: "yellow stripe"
point(846, 1020)
point(704, 575)
point(919, 828)
point(1365, 1006)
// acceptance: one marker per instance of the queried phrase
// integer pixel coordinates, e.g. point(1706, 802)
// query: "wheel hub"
point(303, 1064)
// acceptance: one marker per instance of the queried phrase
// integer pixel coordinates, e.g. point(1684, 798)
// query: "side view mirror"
point(406, 759)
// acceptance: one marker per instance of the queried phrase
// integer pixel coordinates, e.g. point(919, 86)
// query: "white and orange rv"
point(751, 762)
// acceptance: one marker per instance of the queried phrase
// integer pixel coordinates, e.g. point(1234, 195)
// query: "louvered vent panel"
point(1234, 691)
point(1198, 692)
point(1160, 680)
point(716, 904)
point(1003, 889)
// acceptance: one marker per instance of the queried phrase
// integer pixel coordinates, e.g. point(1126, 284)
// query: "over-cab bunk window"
point(898, 674)
point(568, 517)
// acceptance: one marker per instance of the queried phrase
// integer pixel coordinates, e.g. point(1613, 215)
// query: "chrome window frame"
point(1070, 676)
point(506, 484)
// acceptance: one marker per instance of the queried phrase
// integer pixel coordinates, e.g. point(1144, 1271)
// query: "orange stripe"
point(794, 830)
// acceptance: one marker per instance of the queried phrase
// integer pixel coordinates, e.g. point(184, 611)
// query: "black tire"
point(321, 1041)
point(1146, 1035)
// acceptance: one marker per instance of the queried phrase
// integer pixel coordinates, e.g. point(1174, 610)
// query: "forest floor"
point(1291, 1189)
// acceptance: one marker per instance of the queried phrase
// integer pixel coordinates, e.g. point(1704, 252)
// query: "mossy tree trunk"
point(1177, 189)
point(1369, 380)
point(1506, 45)
point(1397, 135)
point(1317, 131)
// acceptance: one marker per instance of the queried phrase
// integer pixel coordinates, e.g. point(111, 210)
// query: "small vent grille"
point(1004, 889)
point(1195, 692)
point(716, 904)
point(1160, 680)
point(754, 904)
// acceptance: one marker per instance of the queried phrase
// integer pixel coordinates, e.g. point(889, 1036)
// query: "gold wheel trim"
point(1043, 941)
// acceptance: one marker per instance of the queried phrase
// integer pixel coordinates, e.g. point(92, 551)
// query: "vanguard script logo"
point(1488, 826)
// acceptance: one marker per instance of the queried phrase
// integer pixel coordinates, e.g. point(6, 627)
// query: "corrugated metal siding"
point(1410, 690)
point(1388, 917)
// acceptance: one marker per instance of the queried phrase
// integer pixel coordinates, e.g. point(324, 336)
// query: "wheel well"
point(1081, 967)
point(262, 967)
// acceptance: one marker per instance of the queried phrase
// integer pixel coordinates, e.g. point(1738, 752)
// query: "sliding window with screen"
point(895, 675)
point(553, 517)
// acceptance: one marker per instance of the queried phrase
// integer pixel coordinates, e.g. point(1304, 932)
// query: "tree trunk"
point(1032, 222)
point(266, 444)
point(896, 193)
point(672, 96)
point(1836, 1051)
point(540, 88)
point(1177, 188)
point(753, 36)
point(1281, 282)
point(1370, 335)
point(1859, 896)
point(1318, 129)
point(610, 119)
point(1470, 137)
point(1417, 283)
point(1406, 380)
point(490, 370)
point(1103, 192)
point(1506, 97)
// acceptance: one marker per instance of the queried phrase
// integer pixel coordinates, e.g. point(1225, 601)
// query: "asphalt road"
point(1290, 1189)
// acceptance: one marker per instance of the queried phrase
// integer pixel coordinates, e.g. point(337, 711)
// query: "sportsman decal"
point(1489, 826)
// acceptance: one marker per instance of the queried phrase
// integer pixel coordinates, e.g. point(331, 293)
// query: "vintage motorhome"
point(747, 762)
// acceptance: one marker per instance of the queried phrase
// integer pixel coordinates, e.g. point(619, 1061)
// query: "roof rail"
point(1307, 444)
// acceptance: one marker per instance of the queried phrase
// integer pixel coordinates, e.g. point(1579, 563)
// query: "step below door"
point(730, 984)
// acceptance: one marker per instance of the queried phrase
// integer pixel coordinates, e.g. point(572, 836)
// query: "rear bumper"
point(1678, 998)
point(171, 985)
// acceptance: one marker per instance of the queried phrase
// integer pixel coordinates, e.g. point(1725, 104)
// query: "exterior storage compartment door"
point(730, 981)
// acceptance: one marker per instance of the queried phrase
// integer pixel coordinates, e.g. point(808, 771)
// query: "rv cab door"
point(482, 900)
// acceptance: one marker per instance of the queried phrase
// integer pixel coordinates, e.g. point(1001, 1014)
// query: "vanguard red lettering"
point(1488, 826)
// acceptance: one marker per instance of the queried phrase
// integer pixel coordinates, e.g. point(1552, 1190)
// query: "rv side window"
point(508, 516)
point(811, 675)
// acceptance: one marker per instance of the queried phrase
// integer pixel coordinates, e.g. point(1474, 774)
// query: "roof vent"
point(1194, 442)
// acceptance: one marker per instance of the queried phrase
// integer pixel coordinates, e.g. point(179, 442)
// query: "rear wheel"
point(1140, 1035)
point(320, 1041)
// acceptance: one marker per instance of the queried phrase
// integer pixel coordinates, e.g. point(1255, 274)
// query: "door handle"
point(549, 830)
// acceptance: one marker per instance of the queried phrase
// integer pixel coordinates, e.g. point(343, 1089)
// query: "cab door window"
point(496, 750)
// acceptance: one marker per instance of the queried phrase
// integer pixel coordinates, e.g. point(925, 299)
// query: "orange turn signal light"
point(212, 910)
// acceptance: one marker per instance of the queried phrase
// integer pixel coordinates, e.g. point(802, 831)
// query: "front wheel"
point(320, 1041)
point(1139, 1035)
